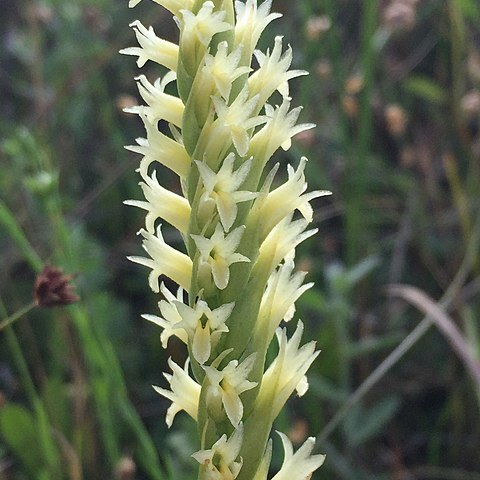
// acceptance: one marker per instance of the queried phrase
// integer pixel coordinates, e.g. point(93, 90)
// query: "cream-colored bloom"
point(273, 73)
point(233, 124)
point(251, 21)
point(218, 252)
point(283, 238)
point(277, 132)
point(223, 68)
point(161, 105)
point(286, 373)
point(216, 77)
point(290, 196)
point(201, 325)
point(171, 317)
point(203, 25)
point(157, 147)
point(164, 260)
point(278, 302)
point(197, 30)
point(225, 387)
point(184, 393)
point(220, 462)
point(204, 326)
point(152, 48)
point(301, 464)
point(162, 203)
point(222, 188)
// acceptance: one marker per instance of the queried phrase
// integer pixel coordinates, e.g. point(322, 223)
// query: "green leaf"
point(44, 475)
point(18, 430)
point(342, 281)
point(470, 8)
point(9, 222)
point(372, 345)
point(364, 423)
point(314, 300)
point(322, 387)
point(56, 402)
point(361, 270)
point(425, 89)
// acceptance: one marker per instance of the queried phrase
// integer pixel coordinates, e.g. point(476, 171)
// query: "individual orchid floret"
point(251, 21)
point(197, 30)
point(157, 147)
point(152, 48)
point(301, 464)
point(288, 197)
point(171, 317)
point(222, 188)
point(225, 387)
point(161, 106)
point(203, 25)
point(223, 68)
point(204, 326)
point(184, 393)
point(284, 287)
point(164, 204)
point(277, 132)
point(164, 260)
point(233, 125)
point(273, 73)
point(218, 252)
point(221, 461)
point(173, 5)
point(283, 238)
point(216, 77)
point(286, 373)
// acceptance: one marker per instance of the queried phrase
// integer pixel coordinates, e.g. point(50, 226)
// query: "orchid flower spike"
point(230, 239)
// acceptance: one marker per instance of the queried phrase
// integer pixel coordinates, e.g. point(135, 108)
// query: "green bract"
point(235, 275)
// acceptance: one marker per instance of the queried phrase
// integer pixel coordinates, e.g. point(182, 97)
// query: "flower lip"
point(227, 385)
point(220, 460)
point(219, 252)
point(222, 188)
point(203, 326)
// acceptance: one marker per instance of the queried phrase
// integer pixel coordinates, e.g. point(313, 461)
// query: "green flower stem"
point(45, 437)
point(15, 316)
point(9, 222)
point(106, 377)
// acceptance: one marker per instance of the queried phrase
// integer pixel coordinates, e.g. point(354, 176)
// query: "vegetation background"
point(395, 91)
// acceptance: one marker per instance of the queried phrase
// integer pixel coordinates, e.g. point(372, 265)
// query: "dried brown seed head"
point(53, 288)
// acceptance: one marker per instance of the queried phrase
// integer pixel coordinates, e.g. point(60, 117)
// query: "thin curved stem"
point(15, 316)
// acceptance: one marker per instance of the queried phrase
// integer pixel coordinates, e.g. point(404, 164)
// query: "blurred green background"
point(394, 89)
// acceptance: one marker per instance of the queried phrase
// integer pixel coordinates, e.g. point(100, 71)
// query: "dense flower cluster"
point(208, 120)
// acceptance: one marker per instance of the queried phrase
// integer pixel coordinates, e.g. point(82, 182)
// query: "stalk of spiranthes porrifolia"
point(236, 276)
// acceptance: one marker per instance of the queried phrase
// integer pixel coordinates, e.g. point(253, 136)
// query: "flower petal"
point(201, 346)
